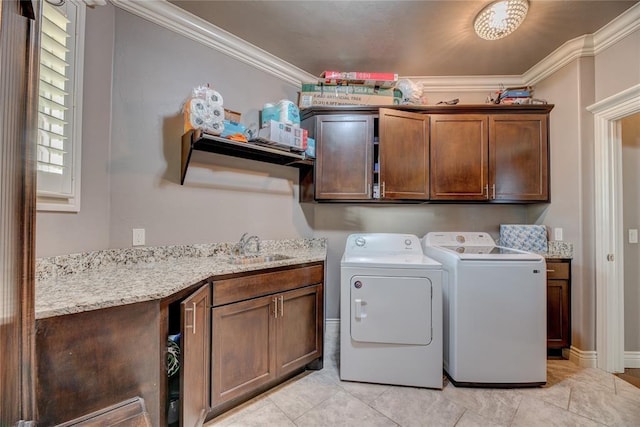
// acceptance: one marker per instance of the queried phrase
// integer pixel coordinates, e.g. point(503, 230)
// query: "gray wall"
point(618, 67)
point(631, 219)
point(154, 73)
point(571, 135)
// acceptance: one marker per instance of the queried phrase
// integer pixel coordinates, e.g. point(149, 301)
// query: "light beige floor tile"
point(343, 410)
point(560, 370)
point(497, 405)
point(536, 413)
point(366, 392)
point(472, 419)
point(593, 378)
point(260, 412)
point(557, 394)
point(627, 390)
point(604, 407)
point(410, 407)
point(298, 397)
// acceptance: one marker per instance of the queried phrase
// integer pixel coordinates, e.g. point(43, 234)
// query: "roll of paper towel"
point(206, 116)
point(213, 97)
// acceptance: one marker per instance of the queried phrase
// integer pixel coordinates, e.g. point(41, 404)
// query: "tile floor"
point(573, 396)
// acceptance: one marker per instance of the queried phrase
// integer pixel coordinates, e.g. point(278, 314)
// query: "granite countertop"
point(558, 249)
point(75, 283)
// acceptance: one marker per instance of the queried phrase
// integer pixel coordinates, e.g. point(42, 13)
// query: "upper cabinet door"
point(518, 155)
point(459, 157)
point(344, 157)
point(404, 155)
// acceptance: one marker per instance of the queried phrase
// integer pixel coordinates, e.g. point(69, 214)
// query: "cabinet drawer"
point(558, 270)
point(241, 288)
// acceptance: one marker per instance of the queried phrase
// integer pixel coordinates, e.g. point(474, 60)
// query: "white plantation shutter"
point(59, 107)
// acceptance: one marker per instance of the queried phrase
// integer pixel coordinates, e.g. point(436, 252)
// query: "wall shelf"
point(197, 140)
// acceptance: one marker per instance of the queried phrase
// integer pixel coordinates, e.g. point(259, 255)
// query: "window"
point(60, 105)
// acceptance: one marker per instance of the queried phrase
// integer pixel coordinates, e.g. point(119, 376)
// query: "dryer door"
point(391, 310)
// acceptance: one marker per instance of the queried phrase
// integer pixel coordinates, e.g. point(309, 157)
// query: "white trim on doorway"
point(609, 258)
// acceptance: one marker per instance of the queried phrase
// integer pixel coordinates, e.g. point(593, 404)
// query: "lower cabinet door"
point(194, 373)
point(299, 328)
point(558, 329)
point(243, 348)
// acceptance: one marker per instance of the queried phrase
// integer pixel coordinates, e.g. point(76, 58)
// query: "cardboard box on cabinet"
point(332, 95)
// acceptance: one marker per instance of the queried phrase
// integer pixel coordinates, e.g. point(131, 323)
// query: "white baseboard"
point(632, 359)
point(586, 359)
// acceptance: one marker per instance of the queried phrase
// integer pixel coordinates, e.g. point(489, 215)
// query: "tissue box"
point(531, 238)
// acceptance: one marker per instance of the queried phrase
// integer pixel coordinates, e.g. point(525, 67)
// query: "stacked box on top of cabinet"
point(350, 88)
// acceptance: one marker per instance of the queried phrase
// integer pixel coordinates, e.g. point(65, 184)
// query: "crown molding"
point(568, 52)
point(173, 18)
point(465, 83)
point(617, 29)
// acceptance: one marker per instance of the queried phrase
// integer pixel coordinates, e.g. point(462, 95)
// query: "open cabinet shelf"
point(197, 140)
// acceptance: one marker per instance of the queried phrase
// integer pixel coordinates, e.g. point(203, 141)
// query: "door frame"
point(609, 248)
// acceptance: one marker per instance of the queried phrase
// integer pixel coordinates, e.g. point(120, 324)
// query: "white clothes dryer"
point(495, 321)
point(390, 312)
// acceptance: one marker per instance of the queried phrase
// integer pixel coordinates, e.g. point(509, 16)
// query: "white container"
point(289, 112)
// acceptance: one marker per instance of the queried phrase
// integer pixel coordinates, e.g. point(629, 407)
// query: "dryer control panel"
point(387, 244)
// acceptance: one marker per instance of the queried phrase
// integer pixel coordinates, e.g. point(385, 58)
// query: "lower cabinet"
point(261, 339)
point(558, 303)
point(245, 333)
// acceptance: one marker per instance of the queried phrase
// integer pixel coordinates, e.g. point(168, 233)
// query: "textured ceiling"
point(411, 38)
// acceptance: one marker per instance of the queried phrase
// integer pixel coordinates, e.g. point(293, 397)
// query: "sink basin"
point(255, 259)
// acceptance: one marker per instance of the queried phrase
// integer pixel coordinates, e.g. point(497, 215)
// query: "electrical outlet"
point(138, 236)
point(633, 235)
point(557, 234)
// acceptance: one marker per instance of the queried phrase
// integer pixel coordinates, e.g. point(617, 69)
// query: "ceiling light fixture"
point(500, 18)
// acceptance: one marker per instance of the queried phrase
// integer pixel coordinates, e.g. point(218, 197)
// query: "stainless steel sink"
point(255, 259)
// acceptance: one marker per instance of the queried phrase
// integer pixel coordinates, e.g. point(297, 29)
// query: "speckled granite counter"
point(556, 249)
point(81, 282)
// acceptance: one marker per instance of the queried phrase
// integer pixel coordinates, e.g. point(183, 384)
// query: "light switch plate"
point(557, 234)
point(138, 236)
point(633, 235)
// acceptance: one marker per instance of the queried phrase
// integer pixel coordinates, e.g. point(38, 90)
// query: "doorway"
point(609, 267)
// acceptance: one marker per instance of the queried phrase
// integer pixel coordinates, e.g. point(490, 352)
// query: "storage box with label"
point(283, 135)
point(332, 95)
point(359, 78)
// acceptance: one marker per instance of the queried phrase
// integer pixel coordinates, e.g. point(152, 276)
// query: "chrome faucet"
point(244, 243)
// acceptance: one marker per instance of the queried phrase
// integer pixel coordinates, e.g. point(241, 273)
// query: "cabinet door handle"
point(281, 306)
point(493, 192)
point(275, 305)
point(550, 271)
point(382, 192)
point(193, 318)
point(486, 191)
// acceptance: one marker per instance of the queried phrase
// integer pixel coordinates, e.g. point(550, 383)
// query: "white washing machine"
point(495, 321)
point(390, 312)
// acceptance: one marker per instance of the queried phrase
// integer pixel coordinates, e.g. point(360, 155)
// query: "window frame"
point(58, 201)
